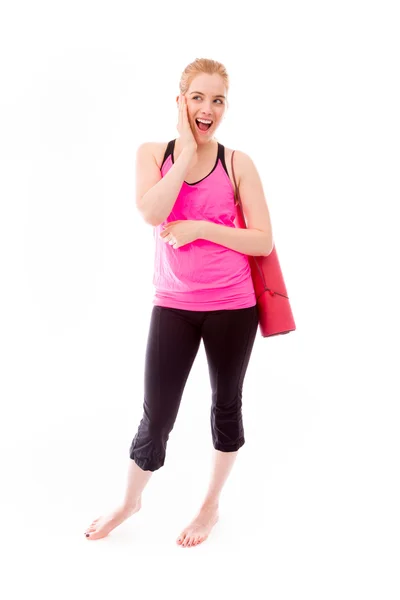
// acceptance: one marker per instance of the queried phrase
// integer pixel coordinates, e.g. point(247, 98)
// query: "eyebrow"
point(216, 96)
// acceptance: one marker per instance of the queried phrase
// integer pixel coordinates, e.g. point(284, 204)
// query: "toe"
point(91, 535)
point(181, 538)
point(92, 525)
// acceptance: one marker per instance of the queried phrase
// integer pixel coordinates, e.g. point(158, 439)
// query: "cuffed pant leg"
point(173, 342)
point(228, 337)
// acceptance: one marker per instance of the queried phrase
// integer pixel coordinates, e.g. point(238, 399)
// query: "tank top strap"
point(168, 151)
point(221, 155)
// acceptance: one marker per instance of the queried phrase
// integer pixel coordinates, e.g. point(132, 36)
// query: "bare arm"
point(156, 195)
point(257, 238)
point(253, 242)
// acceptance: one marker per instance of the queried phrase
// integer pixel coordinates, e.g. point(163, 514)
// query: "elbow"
point(149, 218)
point(270, 247)
point(149, 221)
point(154, 220)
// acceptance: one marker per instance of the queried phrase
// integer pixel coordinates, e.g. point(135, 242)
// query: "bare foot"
point(102, 526)
point(200, 527)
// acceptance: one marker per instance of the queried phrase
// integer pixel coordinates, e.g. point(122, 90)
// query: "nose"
point(206, 114)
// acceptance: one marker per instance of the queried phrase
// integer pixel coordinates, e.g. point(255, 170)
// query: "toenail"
point(87, 535)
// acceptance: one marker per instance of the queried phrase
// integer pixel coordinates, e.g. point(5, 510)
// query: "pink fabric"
point(202, 275)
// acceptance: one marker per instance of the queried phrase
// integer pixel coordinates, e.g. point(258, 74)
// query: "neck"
point(202, 149)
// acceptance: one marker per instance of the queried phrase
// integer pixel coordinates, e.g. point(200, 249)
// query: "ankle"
point(210, 504)
point(129, 506)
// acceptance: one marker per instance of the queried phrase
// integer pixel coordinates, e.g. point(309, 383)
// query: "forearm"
point(252, 242)
point(158, 202)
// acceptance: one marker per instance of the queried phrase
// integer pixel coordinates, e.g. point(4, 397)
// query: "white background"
point(310, 509)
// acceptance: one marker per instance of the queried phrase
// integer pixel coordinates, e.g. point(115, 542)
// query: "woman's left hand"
point(179, 233)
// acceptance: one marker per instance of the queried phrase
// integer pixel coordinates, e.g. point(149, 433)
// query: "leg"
point(228, 340)
point(137, 480)
point(222, 466)
point(173, 341)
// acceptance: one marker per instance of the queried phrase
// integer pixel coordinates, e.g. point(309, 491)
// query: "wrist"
point(202, 228)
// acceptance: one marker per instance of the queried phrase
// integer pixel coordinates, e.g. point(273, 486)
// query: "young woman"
point(204, 289)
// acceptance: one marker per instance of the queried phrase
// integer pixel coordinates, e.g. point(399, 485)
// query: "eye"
point(194, 98)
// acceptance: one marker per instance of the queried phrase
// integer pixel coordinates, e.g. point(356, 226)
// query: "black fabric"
point(220, 156)
point(173, 342)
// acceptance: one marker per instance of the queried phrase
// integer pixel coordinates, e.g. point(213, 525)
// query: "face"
point(202, 103)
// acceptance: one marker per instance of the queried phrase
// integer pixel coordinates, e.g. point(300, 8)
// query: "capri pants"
point(173, 342)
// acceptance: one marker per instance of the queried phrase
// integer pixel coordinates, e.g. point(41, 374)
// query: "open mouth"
point(203, 126)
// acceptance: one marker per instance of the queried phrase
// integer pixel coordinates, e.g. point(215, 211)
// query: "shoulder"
point(254, 203)
point(242, 159)
point(242, 163)
point(154, 149)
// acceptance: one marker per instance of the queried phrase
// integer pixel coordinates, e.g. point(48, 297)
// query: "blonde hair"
point(202, 65)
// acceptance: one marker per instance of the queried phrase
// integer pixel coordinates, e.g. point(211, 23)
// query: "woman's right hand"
point(185, 131)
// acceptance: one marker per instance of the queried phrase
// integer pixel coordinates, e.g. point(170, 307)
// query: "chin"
point(205, 138)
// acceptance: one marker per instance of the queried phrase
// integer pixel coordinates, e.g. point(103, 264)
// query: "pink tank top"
point(202, 275)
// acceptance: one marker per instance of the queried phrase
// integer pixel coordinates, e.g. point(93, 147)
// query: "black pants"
point(173, 342)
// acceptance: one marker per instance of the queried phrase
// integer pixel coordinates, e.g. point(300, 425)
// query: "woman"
point(204, 289)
